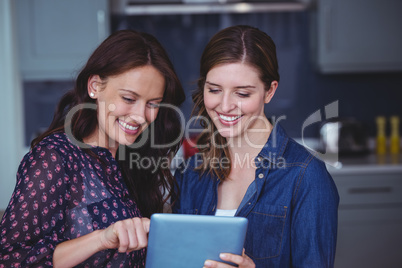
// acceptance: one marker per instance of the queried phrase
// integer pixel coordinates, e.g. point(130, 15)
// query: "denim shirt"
point(292, 205)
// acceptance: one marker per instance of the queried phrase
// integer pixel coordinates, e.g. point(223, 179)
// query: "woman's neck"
point(98, 139)
point(250, 142)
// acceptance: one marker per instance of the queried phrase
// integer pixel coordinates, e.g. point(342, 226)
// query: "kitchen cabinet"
point(358, 36)
point(369, 216)
point(185, 7)
point(56, 37)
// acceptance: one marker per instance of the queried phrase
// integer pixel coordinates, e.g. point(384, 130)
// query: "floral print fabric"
point(63, 192)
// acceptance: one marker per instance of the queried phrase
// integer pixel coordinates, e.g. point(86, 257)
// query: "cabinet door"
point(369, 238)
point(359, 35)
point(369, 220)
point(56, 37)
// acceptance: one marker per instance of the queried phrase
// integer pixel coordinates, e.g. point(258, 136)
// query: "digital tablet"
point(177, 240)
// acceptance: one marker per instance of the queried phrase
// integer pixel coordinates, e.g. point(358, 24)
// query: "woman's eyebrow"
point(247, 86)
point(238, 87)
point(212, 84)
point(137, 95)
point(130, 91)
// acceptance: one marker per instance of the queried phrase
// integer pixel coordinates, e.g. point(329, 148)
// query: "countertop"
point(370, 163)
point(358, 164)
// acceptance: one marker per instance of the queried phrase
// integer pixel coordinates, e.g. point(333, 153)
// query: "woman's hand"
point(126, 235)
point(243, 261)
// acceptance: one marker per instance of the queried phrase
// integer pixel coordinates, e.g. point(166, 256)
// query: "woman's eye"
point(213, 90)
point(154, 105)
point(128, 100)
point(243, 95)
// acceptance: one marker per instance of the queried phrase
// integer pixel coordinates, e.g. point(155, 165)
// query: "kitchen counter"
point(370, 211)
point(359, 164)
point(371, 163)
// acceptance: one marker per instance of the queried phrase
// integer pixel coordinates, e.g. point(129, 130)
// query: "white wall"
point(11, 108)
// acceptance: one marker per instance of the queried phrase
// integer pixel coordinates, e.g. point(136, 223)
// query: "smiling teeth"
point(229, 118)
point(125, 125)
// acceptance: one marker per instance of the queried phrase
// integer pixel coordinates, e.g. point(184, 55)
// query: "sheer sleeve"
point(33, 223)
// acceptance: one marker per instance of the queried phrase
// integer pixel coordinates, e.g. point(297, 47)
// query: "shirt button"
point(260, 175)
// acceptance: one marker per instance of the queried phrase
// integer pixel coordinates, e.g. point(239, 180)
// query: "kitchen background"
point(348, 51)
point(303, 88)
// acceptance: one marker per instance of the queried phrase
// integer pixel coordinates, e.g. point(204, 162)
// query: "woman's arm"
point(314, 219)
point(34, 220)
point(127, 235)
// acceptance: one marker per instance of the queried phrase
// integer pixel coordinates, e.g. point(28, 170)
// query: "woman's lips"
point(229, 120)
point(128, 128)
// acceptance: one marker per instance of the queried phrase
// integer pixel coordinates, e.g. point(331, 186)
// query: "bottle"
point(394, 139)
point(381, 139)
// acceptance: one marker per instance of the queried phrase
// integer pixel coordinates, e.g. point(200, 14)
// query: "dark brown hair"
point(244, 44)
point(120, 52)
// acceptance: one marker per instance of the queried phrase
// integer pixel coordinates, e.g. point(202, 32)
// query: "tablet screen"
point(177, 240)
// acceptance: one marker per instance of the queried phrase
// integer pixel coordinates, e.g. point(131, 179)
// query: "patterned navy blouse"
point(62, 193)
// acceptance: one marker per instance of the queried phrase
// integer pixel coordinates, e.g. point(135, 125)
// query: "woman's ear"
point(94, 82)
point(271, 92)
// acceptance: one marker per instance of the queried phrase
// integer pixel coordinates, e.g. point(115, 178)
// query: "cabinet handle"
point(370, 190)
point(101, 25)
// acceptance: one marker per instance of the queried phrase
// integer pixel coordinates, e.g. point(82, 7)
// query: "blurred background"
point(340, 92)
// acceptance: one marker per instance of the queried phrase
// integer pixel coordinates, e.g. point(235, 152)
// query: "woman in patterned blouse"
point(82, 195)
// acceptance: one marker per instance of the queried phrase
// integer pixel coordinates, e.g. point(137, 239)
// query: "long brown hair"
point(120, 52)
point(234, 44)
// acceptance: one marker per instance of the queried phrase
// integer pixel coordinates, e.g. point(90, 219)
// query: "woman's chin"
point(227, 133)
point(126, 141)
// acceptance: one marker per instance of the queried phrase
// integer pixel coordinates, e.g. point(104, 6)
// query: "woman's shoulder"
point(53, 140)
point(50, 158)
point(315, 170)
point(285, 151)
point(189, 165)
point(298, 153)
point(187, 171)
point(55, 144)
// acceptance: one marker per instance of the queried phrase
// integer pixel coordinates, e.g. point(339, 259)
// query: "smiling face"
point(127, 104)
point(234, 98)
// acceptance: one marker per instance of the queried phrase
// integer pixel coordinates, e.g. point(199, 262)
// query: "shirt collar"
point(276, 144)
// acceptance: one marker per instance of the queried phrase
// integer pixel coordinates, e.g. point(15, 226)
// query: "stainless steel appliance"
point(345, 136)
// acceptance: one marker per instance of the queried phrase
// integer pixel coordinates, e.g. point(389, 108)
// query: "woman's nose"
point(227, 103)
point(139, 113)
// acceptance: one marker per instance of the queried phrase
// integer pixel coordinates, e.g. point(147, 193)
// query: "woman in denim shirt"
point(248, 166)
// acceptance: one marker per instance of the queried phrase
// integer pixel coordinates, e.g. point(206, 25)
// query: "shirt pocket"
point(265, 232)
